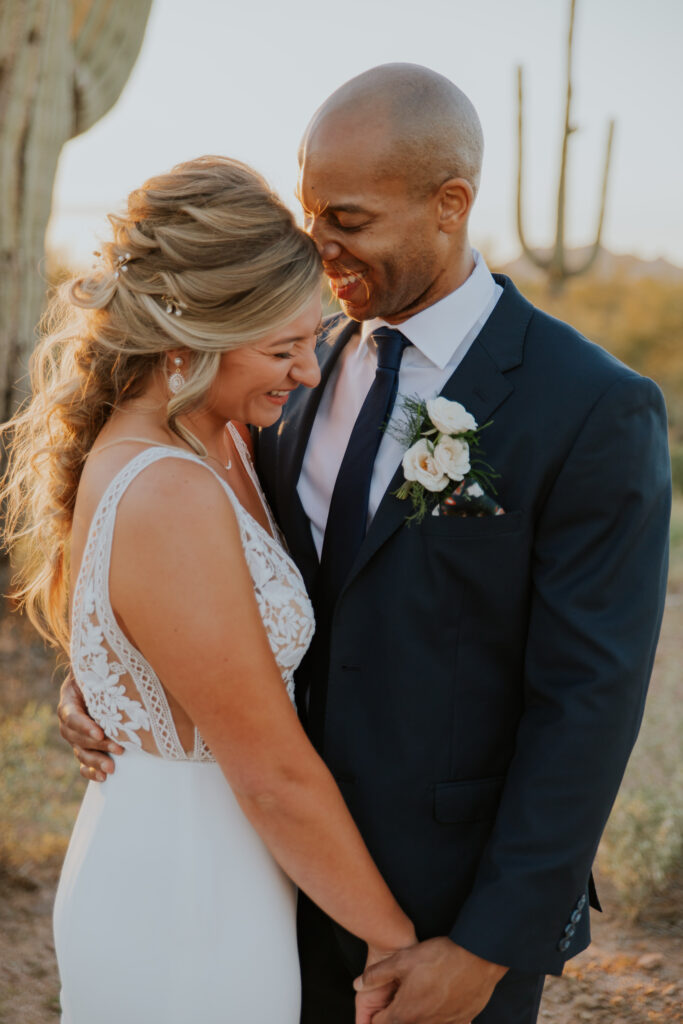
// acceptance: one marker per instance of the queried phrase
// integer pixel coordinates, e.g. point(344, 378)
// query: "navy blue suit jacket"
point(486, 676)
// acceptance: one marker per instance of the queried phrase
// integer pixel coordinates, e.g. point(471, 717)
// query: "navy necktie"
point(347, 520)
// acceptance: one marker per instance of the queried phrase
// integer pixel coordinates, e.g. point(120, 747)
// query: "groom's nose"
point(329, 251)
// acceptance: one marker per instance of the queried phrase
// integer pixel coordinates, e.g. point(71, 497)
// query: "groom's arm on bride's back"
point(89, 743)
point(599, 579)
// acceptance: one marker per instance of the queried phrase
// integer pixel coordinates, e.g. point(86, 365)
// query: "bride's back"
point(121, 495)
point(122, 690)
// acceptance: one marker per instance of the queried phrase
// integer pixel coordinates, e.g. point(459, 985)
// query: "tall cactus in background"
point(554, 263)
point(63, 64)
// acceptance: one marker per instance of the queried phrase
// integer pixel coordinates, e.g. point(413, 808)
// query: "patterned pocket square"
point(469, 500)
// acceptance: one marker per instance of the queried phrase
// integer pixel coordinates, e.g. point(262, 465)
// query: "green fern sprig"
point(415, 418)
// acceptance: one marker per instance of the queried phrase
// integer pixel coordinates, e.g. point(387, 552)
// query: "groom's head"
point(389, 168)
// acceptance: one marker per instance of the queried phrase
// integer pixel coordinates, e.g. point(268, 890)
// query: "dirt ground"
point(631, 974)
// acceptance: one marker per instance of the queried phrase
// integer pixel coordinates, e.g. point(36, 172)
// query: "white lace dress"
point(170, 908)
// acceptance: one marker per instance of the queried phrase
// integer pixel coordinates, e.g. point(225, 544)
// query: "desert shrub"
point(639, 321)
point(643, 845)
point(39, 788)
point(642, 849)
point(677, 467)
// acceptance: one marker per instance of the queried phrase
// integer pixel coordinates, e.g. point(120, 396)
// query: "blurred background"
point(96, 95)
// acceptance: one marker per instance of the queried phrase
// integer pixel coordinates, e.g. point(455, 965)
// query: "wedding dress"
point(170, 908)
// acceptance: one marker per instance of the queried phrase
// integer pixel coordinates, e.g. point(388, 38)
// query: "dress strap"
point(141, 440)
point(245, 458)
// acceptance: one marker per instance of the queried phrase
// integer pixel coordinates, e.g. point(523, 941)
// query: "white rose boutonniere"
point(450, 417)
point(452, 456)
point(442, 459)
point(421, 464)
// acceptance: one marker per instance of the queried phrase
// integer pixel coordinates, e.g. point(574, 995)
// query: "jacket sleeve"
point(599, 579)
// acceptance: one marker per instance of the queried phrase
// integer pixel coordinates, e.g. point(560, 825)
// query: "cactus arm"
point(536, 258)
point(106, 39)
point(555, 265)
point(558, 268)
point(595, 248)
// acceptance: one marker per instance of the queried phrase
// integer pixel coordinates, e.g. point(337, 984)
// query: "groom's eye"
point(349, 220)
point(352, 226)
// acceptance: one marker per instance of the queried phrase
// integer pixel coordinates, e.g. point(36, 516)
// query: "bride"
point(187, 617)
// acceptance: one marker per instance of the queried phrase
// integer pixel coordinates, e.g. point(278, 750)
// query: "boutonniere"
point(443, 468)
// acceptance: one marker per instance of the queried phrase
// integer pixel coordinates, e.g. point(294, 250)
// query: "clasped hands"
point(432, 982)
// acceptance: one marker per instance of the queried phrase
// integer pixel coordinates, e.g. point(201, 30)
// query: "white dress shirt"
point(441, 336)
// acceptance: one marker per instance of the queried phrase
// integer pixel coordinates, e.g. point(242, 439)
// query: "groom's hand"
point(438, 983)
point(84, 735)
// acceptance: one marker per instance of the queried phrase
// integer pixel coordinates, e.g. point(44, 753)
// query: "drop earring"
point(176, 381)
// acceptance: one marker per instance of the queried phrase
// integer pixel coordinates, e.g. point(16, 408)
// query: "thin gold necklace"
point(223, 465)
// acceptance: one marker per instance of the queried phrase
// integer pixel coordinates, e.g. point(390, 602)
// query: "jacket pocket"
point(467, 801)
point(472, 526)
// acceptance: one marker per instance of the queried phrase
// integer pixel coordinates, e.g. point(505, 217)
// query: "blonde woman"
point(140, 509)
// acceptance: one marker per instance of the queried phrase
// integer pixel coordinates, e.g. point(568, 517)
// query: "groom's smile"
point(344, 284)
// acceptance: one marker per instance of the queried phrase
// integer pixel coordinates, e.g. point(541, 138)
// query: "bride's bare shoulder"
point(177, 528)
point(175, 491)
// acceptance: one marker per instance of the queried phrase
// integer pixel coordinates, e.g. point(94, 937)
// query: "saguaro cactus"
point(554, 263)
point(63, 64)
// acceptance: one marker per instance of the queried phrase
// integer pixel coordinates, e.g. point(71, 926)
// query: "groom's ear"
point(454, 202)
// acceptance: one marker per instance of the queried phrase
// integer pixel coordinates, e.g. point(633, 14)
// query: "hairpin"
point(120, 263)
point(173, 305)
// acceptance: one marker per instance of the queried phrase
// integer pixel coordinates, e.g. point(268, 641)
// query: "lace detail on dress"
point(103, 659)
point(99, 676)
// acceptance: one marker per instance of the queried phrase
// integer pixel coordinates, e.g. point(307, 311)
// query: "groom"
point(476, 683)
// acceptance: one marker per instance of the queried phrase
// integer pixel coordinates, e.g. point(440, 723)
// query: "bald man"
point(476, 683)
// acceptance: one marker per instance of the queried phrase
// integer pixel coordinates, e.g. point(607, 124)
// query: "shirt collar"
point(440, 329)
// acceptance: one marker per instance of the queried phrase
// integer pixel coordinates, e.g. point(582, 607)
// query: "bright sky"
point(244, 78)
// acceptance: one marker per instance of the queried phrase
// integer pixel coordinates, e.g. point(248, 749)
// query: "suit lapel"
point(479, 383)
point(294, 431)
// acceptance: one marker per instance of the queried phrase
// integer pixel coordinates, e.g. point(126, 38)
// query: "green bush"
point(642, 849)
point(677, 467)
point(39, 788)
point(643, 845)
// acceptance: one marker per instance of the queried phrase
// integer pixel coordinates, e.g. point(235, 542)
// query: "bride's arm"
point(180, 584)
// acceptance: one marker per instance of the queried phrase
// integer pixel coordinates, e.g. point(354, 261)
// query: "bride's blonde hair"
point(210, 239)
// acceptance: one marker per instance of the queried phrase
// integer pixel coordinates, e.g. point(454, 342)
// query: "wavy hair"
point(210, 239)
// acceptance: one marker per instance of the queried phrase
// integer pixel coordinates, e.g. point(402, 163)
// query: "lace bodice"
point(121, 690)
